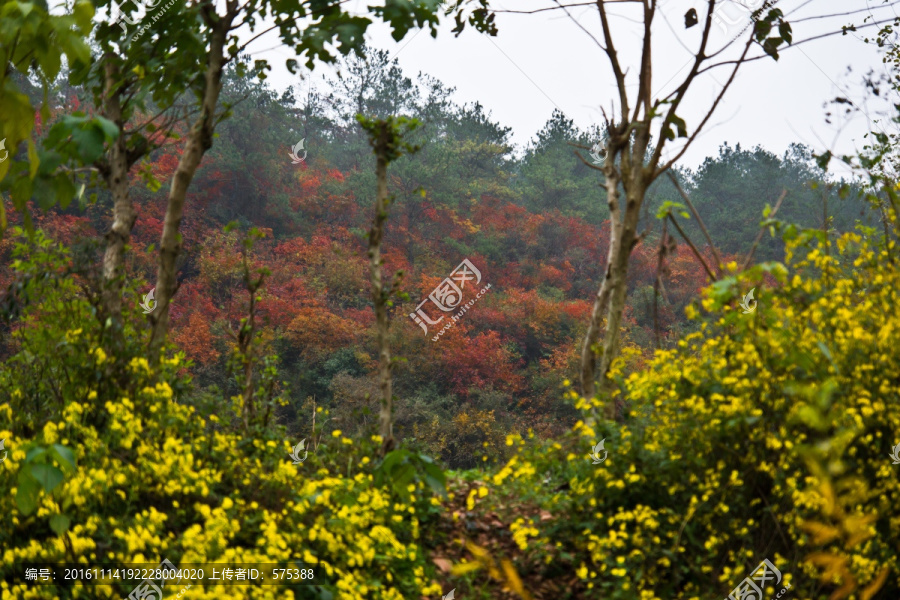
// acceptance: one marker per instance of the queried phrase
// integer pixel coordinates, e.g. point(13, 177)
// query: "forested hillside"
point(533, 224)
point(182, 303)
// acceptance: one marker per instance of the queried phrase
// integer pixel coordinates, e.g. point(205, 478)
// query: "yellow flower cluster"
point(169, 486)
point(711, 477)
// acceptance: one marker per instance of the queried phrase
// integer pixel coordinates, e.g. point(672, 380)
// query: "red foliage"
point(317, 296)
point(164, 167)
point(317, 332)
point(476, 362)
point(196, 340)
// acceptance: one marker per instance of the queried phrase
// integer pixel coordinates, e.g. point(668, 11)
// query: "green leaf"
point(784, 30)
point(435, 479)
point(65, 190)
point(90, 142)
point(50, 61)
point(47, 475)
point(762, 29)
point(823, 160)
point(811, 417)
point(33, 161)
point(667, 207)
point(34, 453)
point(681, 125)
point(108, 127)
point(65, 456)
point(59, 524)
point(27, 493)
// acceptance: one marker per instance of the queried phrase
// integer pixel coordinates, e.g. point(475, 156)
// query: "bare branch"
point(580, 26)
point(693, 248)
point(659, 267)
point(614, 58)
point(591, 165)
point(683, 88)
point(694, 212)
point(539, 10)
point(795, 44)
point(705, 120)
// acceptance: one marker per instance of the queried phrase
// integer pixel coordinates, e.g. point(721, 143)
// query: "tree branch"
point(694, 212)
point(693, 248)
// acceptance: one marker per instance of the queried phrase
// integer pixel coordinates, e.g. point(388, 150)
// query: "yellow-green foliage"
point(710, 476)
point(157, 479)
point(163, 482)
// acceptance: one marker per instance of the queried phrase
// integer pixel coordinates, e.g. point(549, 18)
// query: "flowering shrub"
point(155, 478)
point(717, 467)
point(163, 481)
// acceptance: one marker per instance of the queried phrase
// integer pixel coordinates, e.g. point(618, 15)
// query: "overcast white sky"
point(543, 61)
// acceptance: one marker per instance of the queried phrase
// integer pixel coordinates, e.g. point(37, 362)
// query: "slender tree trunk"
point(601, 300)
point(248, 330)
point(618, 282)
point(124, 216)
point(199, 141)
point(660, 264)
point(379, 299)
point(610, 299)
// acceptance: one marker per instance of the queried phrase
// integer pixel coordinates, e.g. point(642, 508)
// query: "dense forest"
point(183, 302)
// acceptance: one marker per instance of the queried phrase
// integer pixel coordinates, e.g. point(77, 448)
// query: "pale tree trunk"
point(116, 176)
point(379, 299)
point(619, 284)
point(628, 163)
point(198, 142)
point(601, 300)
point(610, 299)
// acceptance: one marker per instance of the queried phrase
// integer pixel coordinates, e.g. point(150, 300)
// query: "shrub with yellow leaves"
point(147, 476)
point(709, 474)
